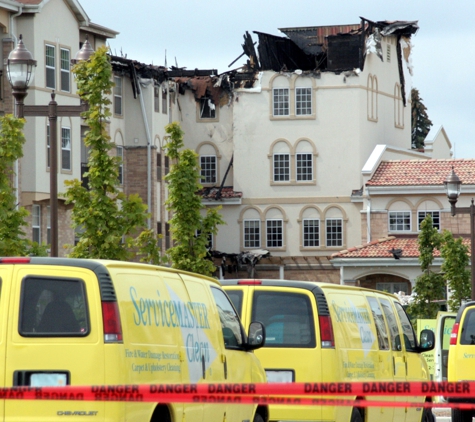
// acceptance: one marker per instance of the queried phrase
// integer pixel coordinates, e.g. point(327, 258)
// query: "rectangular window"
point(48, 150)
point(392, 287)
point(421, 215)
point(311, 232)
point(399, 221)
point(304, 167)
point(334, 232)
point(275, 233)
point(281, 101)
point(118, 96)
point(165, 235)
point(159, 166)
point(281, 167)
point(65, 70)
point(208, 168)
point(50, 60)
point(48, 225)
point(156, 98)
point(36, 223)
point(120, 155)
point(252, 234)
point(288, 318)
point(164, 101)
point(303, 101)
point(65, 148)
point(207, 108)
point(381, 329)
point(53, 307)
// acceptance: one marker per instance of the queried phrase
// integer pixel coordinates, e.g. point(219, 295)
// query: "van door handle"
point(203, 365)
point(225, 364)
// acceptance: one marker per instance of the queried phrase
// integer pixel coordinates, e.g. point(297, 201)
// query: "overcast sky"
point(209, 34)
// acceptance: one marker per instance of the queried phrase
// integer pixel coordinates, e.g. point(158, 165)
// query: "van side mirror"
point(427, 340)
point(257, 336)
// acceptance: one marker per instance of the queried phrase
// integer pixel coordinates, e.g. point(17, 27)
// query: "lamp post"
point(452, 187)
point(20, 72)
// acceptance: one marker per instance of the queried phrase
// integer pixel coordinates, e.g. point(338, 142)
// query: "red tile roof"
point(422, 172)
point(381, 248)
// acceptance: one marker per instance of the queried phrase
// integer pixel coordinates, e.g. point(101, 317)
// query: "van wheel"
point(356, 415)
point(258, 418)
point(459, 415)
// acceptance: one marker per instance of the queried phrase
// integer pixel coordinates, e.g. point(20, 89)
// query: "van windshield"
point(288, 318)
point(52, 307)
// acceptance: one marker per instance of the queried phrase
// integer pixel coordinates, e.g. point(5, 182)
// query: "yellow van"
point(91, 322)
point(323, 332)
point(461, 361)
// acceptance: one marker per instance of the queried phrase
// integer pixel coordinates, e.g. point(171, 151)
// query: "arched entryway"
point(386, 282)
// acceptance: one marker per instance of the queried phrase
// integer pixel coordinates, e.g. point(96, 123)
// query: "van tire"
point(459, 415)
point(356, 415)
point(427, 415)
point(258, 418)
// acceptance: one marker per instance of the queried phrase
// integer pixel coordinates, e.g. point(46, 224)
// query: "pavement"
point(442, 414)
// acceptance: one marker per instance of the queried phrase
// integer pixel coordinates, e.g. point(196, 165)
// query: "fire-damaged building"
point(286, 143)
point(288, 140)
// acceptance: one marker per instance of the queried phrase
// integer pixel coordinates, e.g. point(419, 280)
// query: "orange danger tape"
point(261, 393)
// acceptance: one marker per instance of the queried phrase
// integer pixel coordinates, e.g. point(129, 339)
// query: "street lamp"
point(452, 187)
point(20, 71)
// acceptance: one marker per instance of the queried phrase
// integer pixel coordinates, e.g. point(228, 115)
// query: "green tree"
point(455, 270)
point(12, 218)
point(107, 219)
point(420, 122)
point(190, 230)
point(430, 286)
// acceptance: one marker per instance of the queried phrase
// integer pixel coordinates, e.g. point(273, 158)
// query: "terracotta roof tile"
point(422, 172)
point(382, 248)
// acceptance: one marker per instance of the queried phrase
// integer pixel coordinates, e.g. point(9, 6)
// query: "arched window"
point(310, 228)
point(275, 226)
point(280, 97)
point(372, 98)
point(208, 162)
point(398, 107)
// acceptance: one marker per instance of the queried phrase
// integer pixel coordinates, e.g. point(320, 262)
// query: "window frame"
point(208, 110)
point(306, 234)
point(301, 103)
point(274, 233)
point(254, 232)
point(50, 66)
point(280, 102)
point(66, 152)
point(118, 96)
point(303, 170)
point(393, 228)
point(281, 167)
point(120, 153)
point(65, 71)
point(36, 223)
point(208, 169)
point(330, 232)
point(432, 214)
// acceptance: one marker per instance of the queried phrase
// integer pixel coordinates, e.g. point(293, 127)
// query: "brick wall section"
point(458, 225)
point(6, 105)
point(379, 226)
point(135, 176)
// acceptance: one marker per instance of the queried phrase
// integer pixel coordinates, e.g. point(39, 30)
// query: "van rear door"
point(5, 277)
point(443, 329)
point(54, 338)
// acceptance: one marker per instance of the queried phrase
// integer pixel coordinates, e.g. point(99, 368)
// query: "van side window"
point(53, 307)
point(236, 298)
point(392, 322)
point(288, 318)
point(468, 329)
point(230, 323)
point(381, 329)
point(407, 330)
